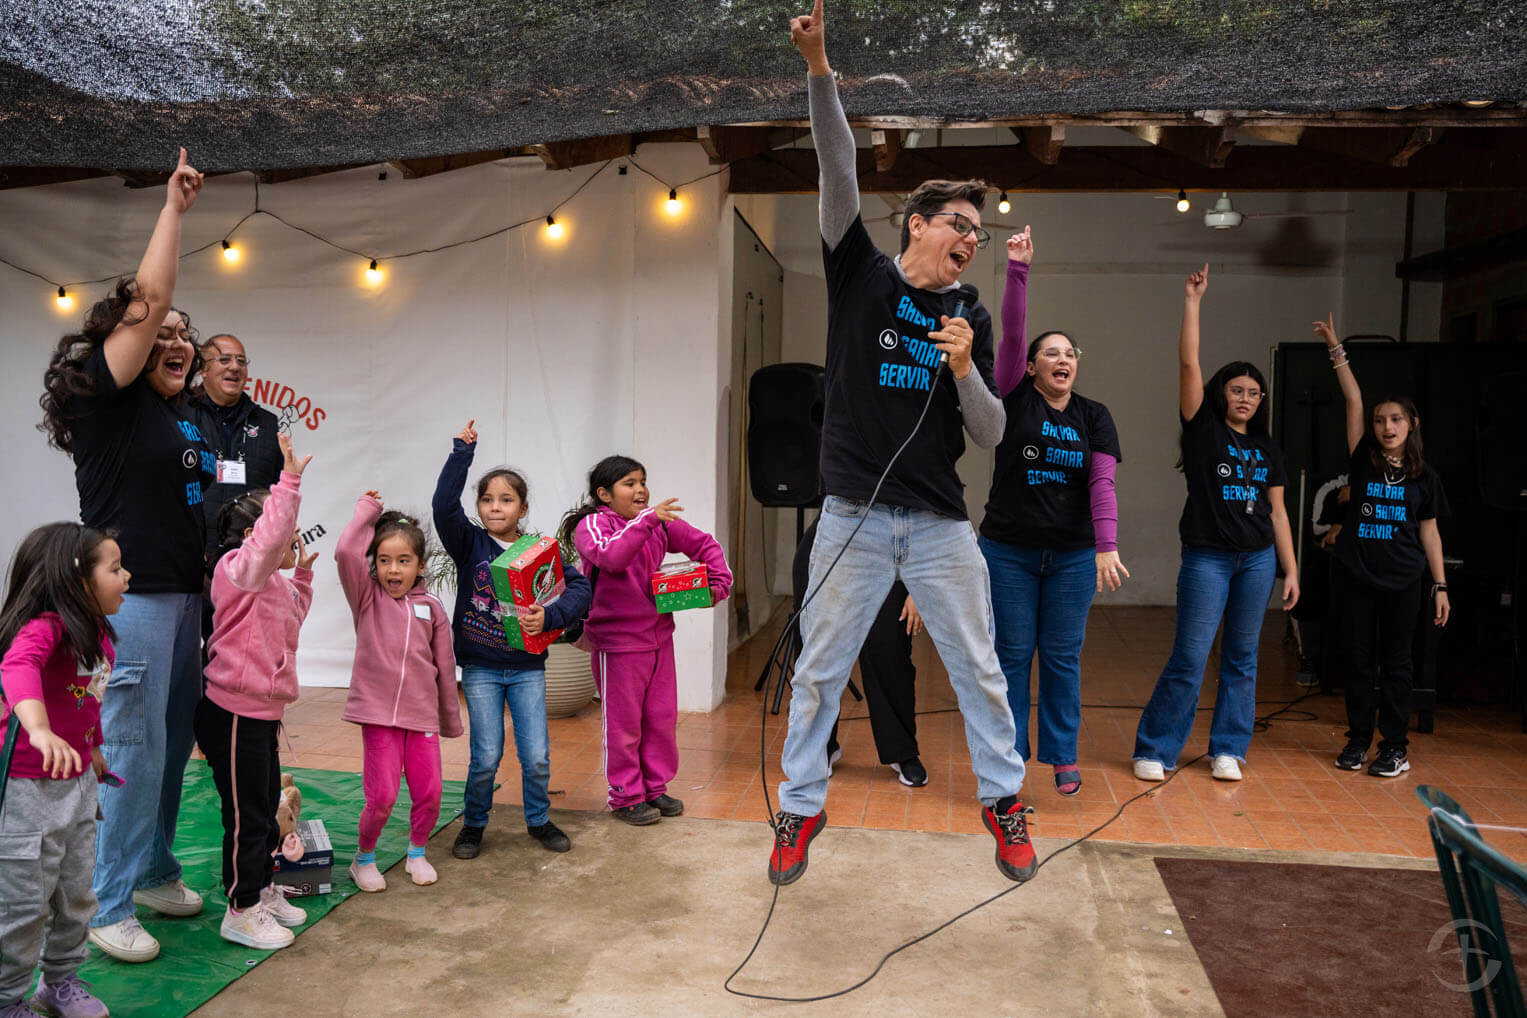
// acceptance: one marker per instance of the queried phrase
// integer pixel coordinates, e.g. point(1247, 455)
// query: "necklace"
point(1394, 461)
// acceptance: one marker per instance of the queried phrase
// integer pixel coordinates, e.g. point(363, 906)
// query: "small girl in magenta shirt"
point(622, 540)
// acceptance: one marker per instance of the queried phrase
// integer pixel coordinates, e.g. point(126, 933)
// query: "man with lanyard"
point(241, 433)
point(890, 324)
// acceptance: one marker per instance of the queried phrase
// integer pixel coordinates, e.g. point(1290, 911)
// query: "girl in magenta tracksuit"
point(403, 683)
point(622, 541)
point(251, 677)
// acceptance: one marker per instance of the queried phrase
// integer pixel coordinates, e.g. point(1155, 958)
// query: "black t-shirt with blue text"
point(140, 469)
point(1380, 539)
point(880, 366)
point(1228, 475)
point(1039, 495)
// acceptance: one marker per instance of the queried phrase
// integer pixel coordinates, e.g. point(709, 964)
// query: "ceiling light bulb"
point(553, 228)
point(1182, 201)
point(373, 274)
point(65, 302)
point(231, 253)
point(1003, 205)
point(673, 205)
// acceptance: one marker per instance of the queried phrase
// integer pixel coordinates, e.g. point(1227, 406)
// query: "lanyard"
point(1247, 470)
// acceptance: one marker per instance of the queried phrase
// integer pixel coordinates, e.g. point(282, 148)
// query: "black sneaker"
point(638, 814)
point(1390, 764)
point(1352, 757)
point(667, 805)
point(551, 836)
point(468, 842)
point(911, 772)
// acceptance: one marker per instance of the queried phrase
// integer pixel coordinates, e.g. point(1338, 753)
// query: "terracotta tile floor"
point(1291, 798)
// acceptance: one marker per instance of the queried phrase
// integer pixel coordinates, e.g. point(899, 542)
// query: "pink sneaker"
point(367, 877)
point(420, 871)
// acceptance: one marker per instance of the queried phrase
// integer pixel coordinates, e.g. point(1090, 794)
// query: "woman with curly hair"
point(111, 400)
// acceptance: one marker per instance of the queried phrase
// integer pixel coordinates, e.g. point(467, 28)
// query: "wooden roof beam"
point(887, 145)
point(1206, 146)
point(726, 144)
point(564, 155)
point(1044, 142)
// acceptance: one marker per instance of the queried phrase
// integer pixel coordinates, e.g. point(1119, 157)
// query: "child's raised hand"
point(59, 759)
point(185, 184)
point(1197, 283)
point(373, 493)
point(468, 434)
point(1020, 247)
point(1326, 330)
point(533, 620)
point(668, 509)
point(304, 559)
point(289, 460)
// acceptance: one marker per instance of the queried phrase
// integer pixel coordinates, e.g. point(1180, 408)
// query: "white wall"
point(563, 352)
point(1109, 270)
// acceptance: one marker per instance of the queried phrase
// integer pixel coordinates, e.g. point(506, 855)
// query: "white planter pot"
point(569, 680)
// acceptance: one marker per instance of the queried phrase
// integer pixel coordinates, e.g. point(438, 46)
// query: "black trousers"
point(245, 766)
point(885, 665)
point(1380, 635)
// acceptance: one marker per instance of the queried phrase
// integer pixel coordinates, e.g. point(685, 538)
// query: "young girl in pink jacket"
point(403, 683)
point(621, 541)
point(251, 677)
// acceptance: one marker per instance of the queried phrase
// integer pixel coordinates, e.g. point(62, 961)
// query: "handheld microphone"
point(965, 298)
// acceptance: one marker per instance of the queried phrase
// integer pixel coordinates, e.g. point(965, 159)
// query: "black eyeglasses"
point(964, 227)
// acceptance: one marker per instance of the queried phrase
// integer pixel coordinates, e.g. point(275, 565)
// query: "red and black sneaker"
point(792, 836)
point(1008, 824)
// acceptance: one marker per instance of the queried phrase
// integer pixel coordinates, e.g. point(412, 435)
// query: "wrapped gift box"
point(679, 586)
point(314, 872)
point(529, 572)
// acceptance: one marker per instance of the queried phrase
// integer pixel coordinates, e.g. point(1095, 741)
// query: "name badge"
point(421, 611)
point(230, 472)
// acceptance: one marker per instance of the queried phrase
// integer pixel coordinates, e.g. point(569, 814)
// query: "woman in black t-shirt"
point(1049, 535)
point(1233, 520)
point(1387, 548)
point(111, 400)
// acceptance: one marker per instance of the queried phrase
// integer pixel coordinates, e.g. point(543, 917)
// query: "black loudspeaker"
point(1501, 456)
point(785, 403)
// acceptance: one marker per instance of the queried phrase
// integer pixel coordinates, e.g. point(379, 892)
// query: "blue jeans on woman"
point(937, 559)
point(1210, 584)
point(1040, 599)
point(487, 690)
point(148, 716)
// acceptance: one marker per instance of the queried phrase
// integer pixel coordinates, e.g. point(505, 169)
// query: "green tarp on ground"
point(195, 962)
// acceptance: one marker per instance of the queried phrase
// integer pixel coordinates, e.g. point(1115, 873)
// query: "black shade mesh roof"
point(269, 84)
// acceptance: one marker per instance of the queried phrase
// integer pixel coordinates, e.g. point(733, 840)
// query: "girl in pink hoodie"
point(621, 541)
point(403, 682)
point(251, 677)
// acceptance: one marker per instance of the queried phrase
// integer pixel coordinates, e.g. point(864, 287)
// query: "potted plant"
point(569, 673)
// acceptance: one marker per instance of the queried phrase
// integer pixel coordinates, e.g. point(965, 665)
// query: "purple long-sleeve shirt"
point(1012, 362)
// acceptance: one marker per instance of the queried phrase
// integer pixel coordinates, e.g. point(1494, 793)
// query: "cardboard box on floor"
point(314, 872)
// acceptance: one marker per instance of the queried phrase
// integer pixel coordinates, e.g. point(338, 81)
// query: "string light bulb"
point(373, 274)
point(673, 205)
point(231, 254)
point(1003, 205)
point(1182, 201)
point(65, 301)
point(553, 228)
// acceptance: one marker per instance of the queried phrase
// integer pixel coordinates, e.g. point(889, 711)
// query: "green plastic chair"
point(1471, 873)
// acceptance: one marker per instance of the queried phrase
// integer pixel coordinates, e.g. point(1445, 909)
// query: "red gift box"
point(529, 572)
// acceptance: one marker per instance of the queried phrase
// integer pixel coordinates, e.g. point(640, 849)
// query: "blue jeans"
point(487, 690)
point(148, 717)
point(937, 559)
point(1041, 599)
point(1210, 584)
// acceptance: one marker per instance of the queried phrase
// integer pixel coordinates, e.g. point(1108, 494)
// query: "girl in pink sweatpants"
point(403, 682)
point(621, 541)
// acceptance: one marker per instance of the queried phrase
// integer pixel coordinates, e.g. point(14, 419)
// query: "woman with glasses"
point(1233, 520)
point(1050, 533)
point(241, 433)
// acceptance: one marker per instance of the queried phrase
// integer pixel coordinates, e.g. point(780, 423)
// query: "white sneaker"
point(1226, 768)
point(126, 940)
point(173, 898)
point(1150, 770)
point(420, 871)
point(255, 927)
point(275, 902)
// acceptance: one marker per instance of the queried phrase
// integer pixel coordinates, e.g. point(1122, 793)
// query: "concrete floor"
point(650, 921)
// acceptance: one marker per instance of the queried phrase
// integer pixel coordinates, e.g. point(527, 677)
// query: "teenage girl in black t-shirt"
point(112, 401)
point(1388, 547)
point(1234, 532)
